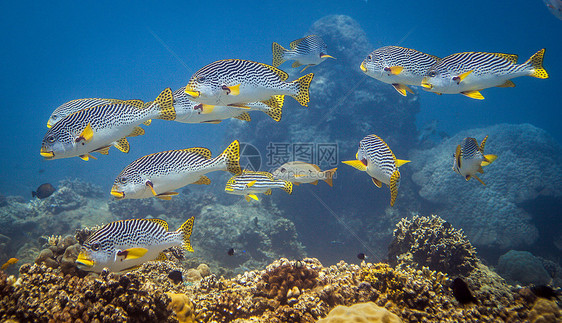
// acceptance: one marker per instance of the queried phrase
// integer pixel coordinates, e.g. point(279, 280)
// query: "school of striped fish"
point(234, 88)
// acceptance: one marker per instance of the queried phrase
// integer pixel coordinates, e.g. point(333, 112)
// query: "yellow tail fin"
point(536, 65)
point(489, 159)
point(394, 183)
point(330, 175)
point(186, 229)
point(232, 155)
point(288, 187)
point(278, 52)
point(165, 104)
point(303, 85)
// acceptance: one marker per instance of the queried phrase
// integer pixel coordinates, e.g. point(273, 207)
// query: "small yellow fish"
point(8, 263)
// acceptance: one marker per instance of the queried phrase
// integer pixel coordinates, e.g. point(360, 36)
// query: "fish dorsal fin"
point(458, 155)
point(268, 192)
point(136, 103)
point(122, 144)
point(103, 150)
point(282, 75)
point(165, 101)
point(376, 182)
point(400, 162)
point(508, 83)
point(473, 95)
point(482, 144)
point(160, 222)
point(489, 159)
point(203, 180)
point(147, 122)
point(86, 135)
point(245, 116)
point(296, 64)
point(356, 163)
point(316, 167)
point(137, 131)
point(510, 57)
point(203, 152)
point(296, 42)
point(394, 183)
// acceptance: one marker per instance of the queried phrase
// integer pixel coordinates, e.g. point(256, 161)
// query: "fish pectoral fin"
point(356, 163)
point(296, 64)
point(400, 162)
point(206, 108)
point(489, 159)
point(86, 157)
point(401, 88)
point(473, 95)
point(478, 178)
point(151, 186)
point(268, 192)
point(394, 183)
point(395, 70)
point(232, 90)
point(86, 135)
point(507, 83)
point(122, 144)
point(253, 196)
point(376, 182)
point(203, 180)
point(461, 77)
point(132, 253)
point(250, 184)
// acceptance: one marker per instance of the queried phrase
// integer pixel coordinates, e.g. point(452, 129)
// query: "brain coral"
point(529, 165)
point(362, 312)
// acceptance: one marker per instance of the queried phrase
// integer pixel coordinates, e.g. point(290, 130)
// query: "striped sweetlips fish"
point(76, 105)
point(188, 111)
point(298, 172)
point(310, 50)
point(238, 82)
point(375, 157)
point(251, 183)
point(97, 128)
point(469, 158)
point(398, 66)
point(127, 244)
point(468, 73)
point(161, 173)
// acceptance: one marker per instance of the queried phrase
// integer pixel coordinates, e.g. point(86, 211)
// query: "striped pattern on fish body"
point(161, 173)
point(375, 157)
point(127, 244)
point(238, 82)
point(251, 183)
point(188, 111)
point(74, 106)
point(398, 66)
point(468, 73)
point(310, 50)
point(97, 128)
point(469, 158)
point(300, 172)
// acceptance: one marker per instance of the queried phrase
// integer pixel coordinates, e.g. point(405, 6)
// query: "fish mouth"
point(49, 125)
point(327, 56)
point(84, 260)
point(117, 194)
point(363, 68)
point(46, 154)
point(191, 93)
point(425, 84)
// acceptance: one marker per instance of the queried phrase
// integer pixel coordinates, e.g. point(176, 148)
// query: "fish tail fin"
point(489, 159)
point(303, 85)
point(394, 183)
point(185, 230)
point(232, 156)
point(535, 64)
point(330, 175)
point(278, 52)
point(165, 105)
point(288, 187)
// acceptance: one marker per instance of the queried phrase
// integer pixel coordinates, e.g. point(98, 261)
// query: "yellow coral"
point(182, 306)
point(361, 312)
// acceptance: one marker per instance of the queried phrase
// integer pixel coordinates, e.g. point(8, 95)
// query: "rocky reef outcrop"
point(528, 169)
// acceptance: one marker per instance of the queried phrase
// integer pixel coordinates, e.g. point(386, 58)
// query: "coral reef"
point(61, 252)
point(529, 166)
point(521, 267)
point(433, 242)
point(362, 312)
point(182, 306)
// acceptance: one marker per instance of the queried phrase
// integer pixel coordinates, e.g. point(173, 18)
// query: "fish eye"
point(432, 74)
point(283, 170)
point(95, 246)
point(369, 57)
point(50, 139)
point(201, 79)
point(54, 116)
point(123, 180)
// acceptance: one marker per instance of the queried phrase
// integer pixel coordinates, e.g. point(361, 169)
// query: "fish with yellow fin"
point(159, 174)
point(74, 106)
point(308, 51)
point(469, 158)
point(98, 128)
point(375, 157)
point(8, 263)
point(127, 244)
point(250, 183)
point(299, 172)
point(470, 72)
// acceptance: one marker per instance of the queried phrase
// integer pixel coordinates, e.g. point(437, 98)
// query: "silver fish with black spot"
point(469, 158)
point(251, 183)
point(127, 244)
point(161, 173)
point(309, 51)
